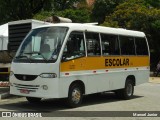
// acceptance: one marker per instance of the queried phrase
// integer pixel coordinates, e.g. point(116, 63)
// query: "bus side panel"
point(117, 78)
point(105, 73)
point(97, 81)
point(142, 76)
point(100, 81)
point(93, 83)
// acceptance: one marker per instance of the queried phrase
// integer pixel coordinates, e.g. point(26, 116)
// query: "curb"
point(4, 95)
point(154, 80)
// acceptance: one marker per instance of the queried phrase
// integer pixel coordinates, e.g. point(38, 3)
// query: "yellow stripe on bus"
point(94, 63)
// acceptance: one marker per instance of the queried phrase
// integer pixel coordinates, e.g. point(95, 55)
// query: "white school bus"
point(70, 60)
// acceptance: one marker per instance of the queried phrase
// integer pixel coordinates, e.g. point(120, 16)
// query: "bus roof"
point(100, 29)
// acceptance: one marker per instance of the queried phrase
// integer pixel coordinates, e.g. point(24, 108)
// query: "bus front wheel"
point(33, 100)
point(74, 96)
point(127, 92)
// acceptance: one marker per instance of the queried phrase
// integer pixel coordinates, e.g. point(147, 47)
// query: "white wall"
point(3, 43)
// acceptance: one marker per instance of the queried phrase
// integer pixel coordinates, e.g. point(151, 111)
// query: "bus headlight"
point(48, 75)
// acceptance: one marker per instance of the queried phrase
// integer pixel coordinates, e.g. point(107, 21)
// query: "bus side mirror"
point(63, 58)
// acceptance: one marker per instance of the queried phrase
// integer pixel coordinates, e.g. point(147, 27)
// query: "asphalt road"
point(146, 98)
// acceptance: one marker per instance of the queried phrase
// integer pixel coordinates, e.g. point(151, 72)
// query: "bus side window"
point(74, 47)
point(141, 46)
point(127, 45)
point(93, 44)
point(110, 44)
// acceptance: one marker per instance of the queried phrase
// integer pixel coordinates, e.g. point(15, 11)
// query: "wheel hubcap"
point(76, 96)
point(129, 89)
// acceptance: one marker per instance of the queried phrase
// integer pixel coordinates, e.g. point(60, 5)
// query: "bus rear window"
point(141, 46)
point(127, 45)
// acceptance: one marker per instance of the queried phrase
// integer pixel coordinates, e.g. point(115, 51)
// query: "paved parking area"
point(146, 98)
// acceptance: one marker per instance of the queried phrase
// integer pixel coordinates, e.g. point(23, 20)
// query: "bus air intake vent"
point(4, 70)
point(17, 33)
point(25, 77)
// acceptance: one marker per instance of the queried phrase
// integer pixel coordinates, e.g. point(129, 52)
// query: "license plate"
point(24, 91)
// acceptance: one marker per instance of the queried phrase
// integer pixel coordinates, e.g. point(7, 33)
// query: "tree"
point(128, 15)
point(153, 3)
point(103, 8)
point(77, 11)
point(21, 9)
point(77, 15)
point(43, 15)
point(60, 5)
point(133, 15)
point(26, 9)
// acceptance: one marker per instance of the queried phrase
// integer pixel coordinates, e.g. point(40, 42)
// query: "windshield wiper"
point(23, 56)
point(39, 53)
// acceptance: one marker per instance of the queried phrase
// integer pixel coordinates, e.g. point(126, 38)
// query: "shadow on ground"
point(50, 105)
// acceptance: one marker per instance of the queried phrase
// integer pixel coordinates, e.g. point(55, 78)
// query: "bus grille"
point(4, 70)
point(25, 77)
point(31, 88)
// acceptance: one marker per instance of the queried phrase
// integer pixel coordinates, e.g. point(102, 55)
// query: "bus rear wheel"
point(127, 92)
point(74, 96)
point(33, 100)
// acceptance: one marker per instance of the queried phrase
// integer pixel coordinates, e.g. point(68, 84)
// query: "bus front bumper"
point(40, 87)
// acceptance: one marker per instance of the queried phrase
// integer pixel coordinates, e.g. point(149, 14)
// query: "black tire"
point(33, 100)
point(74, 96)
point(127, 92)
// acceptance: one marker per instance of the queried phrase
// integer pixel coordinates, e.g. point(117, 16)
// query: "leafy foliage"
point(27, 9)
point(153, 3)
point(103, 8)
point(77, 15)
point(21, 9)
point(42, 15)
point(65, 4)
point(134, 15)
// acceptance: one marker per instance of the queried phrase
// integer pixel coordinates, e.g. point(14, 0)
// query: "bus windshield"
point(42, 44)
